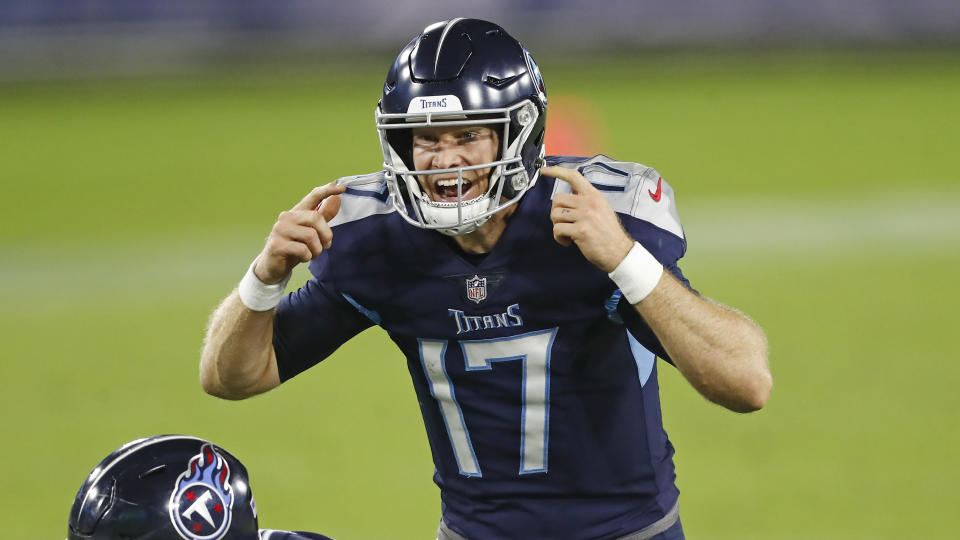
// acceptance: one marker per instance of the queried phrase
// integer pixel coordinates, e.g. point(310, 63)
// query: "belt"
point(655, 528)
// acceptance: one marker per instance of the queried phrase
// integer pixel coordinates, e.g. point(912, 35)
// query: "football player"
point(170, 487)
point(530, 295)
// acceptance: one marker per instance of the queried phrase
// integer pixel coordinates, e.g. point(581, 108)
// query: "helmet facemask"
point(508, 177)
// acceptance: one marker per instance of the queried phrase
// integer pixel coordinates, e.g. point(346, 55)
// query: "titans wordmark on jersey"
point(538, 387)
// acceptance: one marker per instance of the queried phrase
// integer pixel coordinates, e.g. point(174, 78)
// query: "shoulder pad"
point(367, 195)
point(633, 189)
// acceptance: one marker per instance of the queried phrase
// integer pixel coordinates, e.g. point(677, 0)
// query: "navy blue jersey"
point(270, 534)
point(538, 387)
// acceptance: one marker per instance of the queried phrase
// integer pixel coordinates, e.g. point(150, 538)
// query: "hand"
point(586, 219)
point(300, 234)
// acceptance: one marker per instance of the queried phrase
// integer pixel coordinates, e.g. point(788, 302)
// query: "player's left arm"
point(721, 352)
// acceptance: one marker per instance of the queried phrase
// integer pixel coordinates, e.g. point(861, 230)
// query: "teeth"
point(447, 183)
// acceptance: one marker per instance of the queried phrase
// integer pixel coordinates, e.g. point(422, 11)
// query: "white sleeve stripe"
point(637, 197)
point(356, 206)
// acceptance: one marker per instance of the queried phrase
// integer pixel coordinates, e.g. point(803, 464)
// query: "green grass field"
point(819, 193)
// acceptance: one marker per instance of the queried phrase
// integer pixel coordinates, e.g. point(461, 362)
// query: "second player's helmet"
point(462, 72)
point(166, 487)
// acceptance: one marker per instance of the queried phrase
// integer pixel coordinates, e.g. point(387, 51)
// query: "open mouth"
point(446, 190)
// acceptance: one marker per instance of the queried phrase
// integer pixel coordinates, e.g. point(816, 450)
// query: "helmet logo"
point(537, 77)
point(201, 502)
point(477, 289)
point(427, 104)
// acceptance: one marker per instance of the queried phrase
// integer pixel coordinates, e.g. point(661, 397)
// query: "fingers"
point(302, 234)
point(567, 200)
point(297, 236)
point(329, 207)
point(315, 197)
point(561, 214)
point(287, 250)
point(564, 233)
point(305, 226)
point(564, 214)
point(573, 177)
point(585, 218)
point(567, 208)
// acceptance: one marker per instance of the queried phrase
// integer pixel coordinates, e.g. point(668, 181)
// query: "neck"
point(487, 235)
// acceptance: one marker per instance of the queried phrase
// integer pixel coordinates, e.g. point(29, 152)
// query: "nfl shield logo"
point(477, 289)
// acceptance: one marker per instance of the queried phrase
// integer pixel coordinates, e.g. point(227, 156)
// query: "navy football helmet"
point(166, 487)
point(462, 72)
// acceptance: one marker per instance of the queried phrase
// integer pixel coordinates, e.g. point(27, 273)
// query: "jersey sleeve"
point(646, 206)
point(648, 211)
point(322, 315)
point(311, 323)
point(639, 327)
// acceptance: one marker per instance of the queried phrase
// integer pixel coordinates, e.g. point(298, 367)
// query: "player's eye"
point(469, 136)
point(425, 142)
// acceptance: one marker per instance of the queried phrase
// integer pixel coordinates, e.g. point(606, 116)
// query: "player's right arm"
point(238, 359)
point(720, 351)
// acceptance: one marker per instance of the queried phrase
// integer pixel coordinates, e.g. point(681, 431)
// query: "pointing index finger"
point(315, 197)
point(570, 176)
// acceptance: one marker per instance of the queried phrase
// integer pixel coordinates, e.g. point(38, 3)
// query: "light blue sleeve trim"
point(610, 304)
point(374, 317)
point(642, 357)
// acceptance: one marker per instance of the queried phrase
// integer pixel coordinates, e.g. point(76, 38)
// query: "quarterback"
point(530, 295)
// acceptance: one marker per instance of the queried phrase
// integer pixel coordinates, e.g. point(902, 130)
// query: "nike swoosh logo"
point(656, 196)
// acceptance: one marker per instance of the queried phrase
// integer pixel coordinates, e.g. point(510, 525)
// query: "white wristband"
point(257, 295)
point(637, 274)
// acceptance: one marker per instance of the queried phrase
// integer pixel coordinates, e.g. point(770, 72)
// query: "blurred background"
point(147, 146)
